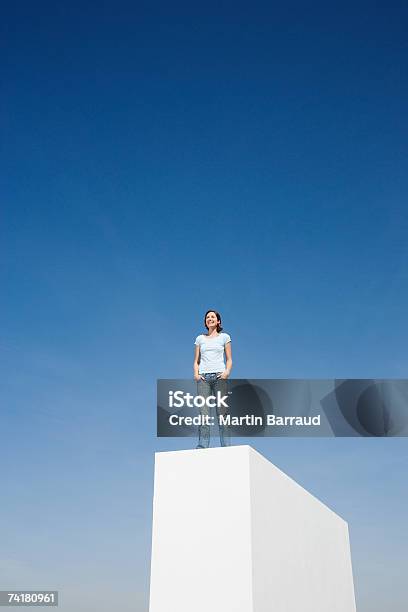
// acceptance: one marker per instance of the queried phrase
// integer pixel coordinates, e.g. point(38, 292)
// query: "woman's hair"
point(217, 314)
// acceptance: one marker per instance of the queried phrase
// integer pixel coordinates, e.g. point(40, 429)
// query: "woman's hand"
point(198, 377)
point(224, 375)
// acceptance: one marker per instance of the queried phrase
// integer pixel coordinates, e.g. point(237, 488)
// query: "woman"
point(211, 372)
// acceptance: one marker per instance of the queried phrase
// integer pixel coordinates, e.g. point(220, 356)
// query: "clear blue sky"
point(158, 160)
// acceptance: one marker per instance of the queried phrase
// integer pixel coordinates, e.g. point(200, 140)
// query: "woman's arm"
point(196, 363)
point(228, 361)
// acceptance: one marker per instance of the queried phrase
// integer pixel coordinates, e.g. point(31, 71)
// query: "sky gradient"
point(160, 160)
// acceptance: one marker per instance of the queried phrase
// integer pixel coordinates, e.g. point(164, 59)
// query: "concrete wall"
point(300, 548)
point(232, 533)
point(201, 548)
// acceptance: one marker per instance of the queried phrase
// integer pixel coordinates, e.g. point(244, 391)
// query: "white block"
point(233, 533)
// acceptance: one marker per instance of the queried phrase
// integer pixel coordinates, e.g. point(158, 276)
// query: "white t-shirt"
point(212, 352)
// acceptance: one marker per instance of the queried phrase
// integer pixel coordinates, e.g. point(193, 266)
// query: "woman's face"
point(211, 319)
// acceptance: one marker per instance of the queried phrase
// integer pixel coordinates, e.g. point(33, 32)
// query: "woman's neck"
point(212, 331)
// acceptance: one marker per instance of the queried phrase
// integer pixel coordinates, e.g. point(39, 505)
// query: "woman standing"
point(211, 372)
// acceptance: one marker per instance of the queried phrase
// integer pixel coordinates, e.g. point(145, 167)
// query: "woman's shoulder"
point(226, 337)
point(199, 339)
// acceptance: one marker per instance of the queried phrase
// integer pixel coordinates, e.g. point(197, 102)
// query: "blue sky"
point(160, 160)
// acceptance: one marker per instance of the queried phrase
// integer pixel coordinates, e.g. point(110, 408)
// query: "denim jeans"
point(209, 386)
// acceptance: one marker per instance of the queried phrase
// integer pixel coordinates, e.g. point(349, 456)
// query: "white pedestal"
point(232, 533)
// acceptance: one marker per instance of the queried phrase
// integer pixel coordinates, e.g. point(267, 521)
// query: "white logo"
point(178, 399)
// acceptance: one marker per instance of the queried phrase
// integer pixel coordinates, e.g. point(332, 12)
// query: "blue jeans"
point(211, 384)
